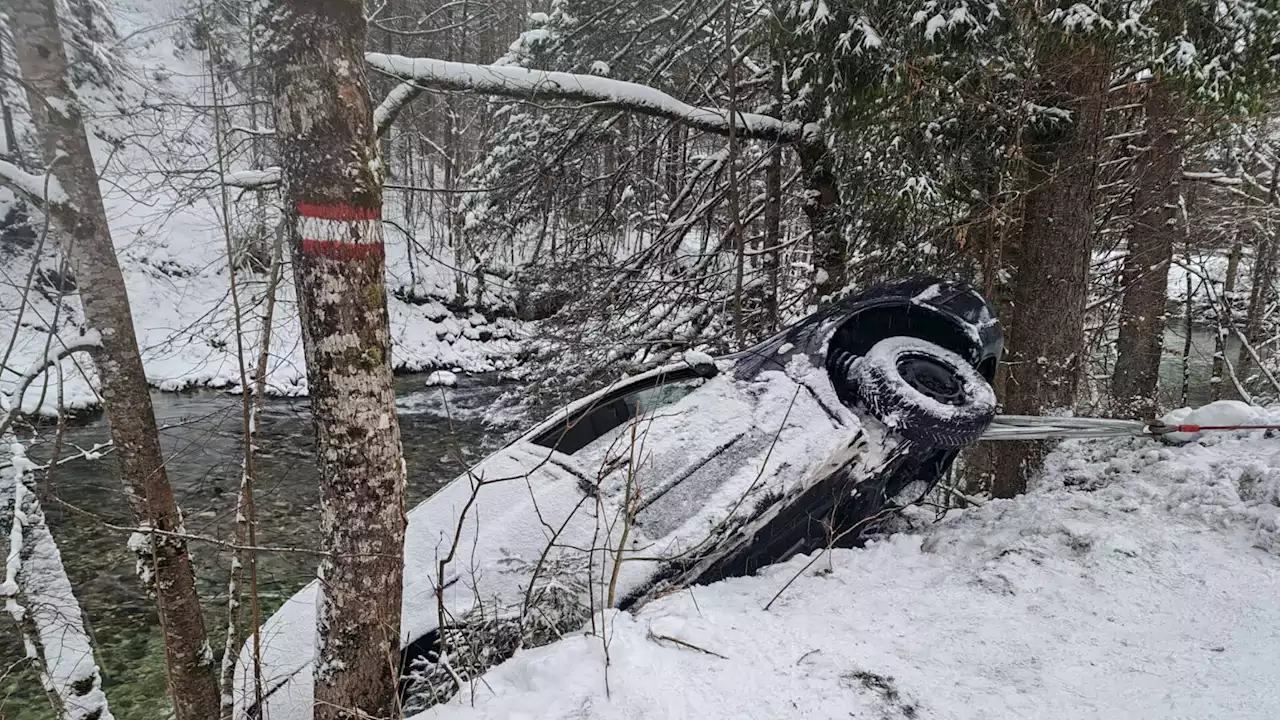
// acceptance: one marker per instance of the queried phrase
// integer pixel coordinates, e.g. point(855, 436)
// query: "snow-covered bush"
point(557, 603)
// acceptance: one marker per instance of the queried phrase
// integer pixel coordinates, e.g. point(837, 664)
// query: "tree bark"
point(1046, 335)
point(125, 396)
point(333, 191)
point(1226, 307)
point(1145, 275)
point(822, 208)
point(738, 242)
point(772, 258)
point(1263, 276)
point(12, 150)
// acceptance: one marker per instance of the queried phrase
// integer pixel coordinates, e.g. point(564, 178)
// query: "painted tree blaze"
point(340, 231)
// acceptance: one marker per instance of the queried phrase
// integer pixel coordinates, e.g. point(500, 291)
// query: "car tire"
point(924, 393)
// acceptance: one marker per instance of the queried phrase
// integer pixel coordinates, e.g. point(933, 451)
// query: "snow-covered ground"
point(154, 145)
point(1135, 580)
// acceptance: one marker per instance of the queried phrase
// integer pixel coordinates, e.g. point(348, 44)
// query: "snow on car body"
point(689, 473)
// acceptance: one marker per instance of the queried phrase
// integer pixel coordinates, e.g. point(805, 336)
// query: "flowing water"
point(1199, 367)
point(442, 432)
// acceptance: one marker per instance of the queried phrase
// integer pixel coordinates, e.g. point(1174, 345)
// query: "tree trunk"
point(1046, 335)
point(772, 238)
point(822, 208)
point(1145, 276)
point(333, 191)
point(12, 151)
point(673, 162)
point(772, 258)
point(1226, 306)
point(738, 242)
point(125, 396)
point(1264, 263)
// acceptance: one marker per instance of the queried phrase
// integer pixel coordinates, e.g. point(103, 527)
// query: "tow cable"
point(1031, 427)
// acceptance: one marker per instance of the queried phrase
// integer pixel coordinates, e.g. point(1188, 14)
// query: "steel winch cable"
point(1031, 427)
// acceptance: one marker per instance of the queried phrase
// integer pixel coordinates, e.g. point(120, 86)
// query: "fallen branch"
point(667, 638)
point(90, 341)
point(39, 596)
point(1212, 176)
point(418, 74)
point(253, 179)
point(40, 190)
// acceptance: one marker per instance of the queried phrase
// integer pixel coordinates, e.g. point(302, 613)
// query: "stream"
point(443, 433)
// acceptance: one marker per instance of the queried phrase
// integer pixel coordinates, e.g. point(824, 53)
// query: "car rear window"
point(616, 409)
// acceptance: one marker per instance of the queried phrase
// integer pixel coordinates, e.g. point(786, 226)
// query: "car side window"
point(613, 411)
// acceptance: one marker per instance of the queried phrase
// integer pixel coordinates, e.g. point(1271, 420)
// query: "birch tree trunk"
point(1145, 276)
point(1046, 333)
point(333, 191)
point(125, 395)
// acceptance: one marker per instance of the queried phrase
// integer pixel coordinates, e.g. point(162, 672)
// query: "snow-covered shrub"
point(556, 604)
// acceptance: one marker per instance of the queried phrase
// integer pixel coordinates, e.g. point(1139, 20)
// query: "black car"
point(700, 470)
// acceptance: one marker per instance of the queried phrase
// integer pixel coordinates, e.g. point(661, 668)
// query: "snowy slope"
point(155, 151)
point(1135, 581)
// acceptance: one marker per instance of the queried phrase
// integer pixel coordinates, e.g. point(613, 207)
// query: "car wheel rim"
point(932, 378)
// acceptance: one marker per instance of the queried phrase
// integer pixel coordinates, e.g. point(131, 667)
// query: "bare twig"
point(683, 643)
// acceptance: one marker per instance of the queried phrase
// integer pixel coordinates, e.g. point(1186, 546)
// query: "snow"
point(1216, 414)
point(936, 19)
point(443, 378)
point(934, 25)
point(252, 178)
point(929, 293)
point(40, 598)
point(13, 556)
point(1134, 580)
point(694, 358)
point(1080, 18)
point(1213, 176)
point(395, 100)
point(522, 82)
point(38, 187)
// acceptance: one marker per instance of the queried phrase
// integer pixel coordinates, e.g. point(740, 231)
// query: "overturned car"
point(693, 472)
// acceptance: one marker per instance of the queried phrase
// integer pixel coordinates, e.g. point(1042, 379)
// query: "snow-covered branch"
point(419, 74)
point(38, 189)
point(523, 83)
point(12, 405)
point(38, 594)
point(1211, 176)
point(395, 101)
point(253, 179)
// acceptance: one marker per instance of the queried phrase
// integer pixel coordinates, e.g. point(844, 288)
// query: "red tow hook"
point(1158, 428)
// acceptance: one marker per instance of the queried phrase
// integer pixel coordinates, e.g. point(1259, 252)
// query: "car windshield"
point(614, 410)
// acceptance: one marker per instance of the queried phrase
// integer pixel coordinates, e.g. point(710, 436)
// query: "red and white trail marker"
point(339, 231)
